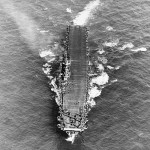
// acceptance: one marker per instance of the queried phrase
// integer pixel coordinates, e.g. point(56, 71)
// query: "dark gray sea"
point(121, 118)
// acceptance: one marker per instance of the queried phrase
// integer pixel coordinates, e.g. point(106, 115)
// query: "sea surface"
point(119, 30)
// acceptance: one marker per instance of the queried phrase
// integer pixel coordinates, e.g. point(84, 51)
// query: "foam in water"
point(100, 80)
point(97, 83)
point(49, 53)
point(46, 70)
point(91, 102)
point(83, 16)
point(46, 53)
point(69, 10)
point(44, 31)
point(113, 81)
point(109, 28)
point(94, 92)
point(100, 67)
point(103, 60)
point(117, 67)
point(127, 45)
point(139, 49)
point(110, 67)
point(100, 51)
point(111, 44)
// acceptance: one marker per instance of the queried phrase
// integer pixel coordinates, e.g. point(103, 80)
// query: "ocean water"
point(118, 30)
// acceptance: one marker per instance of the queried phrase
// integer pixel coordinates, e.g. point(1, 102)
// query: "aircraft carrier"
point(72, 83)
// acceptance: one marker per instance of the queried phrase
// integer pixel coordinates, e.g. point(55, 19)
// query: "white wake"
point(83, 17)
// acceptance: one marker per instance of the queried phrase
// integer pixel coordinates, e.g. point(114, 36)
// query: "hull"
point(73, 82)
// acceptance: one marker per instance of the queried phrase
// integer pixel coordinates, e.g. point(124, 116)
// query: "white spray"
point(82, 17)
